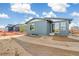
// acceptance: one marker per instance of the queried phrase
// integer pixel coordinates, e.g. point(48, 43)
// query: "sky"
point(18, 13)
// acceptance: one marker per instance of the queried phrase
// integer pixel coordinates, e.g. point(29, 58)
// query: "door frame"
point(53, 27)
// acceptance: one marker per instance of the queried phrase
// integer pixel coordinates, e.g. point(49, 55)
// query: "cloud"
point(1, 26)
point(44, 14)
point(23, 8)
point(58, 7)
point(3, 15)
point(75, 14)
point(27, 19)
point(49, 14)
point(22, 22)
point(37, 15)
point(72, 24)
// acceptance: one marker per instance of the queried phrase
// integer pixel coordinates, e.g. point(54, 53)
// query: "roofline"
point(49, 18)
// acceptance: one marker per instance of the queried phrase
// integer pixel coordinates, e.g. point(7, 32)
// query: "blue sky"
point(20, 13)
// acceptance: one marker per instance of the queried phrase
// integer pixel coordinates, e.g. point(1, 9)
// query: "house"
point(16, 28)
point(9, 27)
point(48, 26)
point(22, 27)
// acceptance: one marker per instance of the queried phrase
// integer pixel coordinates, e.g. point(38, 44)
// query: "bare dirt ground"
point(64, 38)
point(39, 46)
point(6, 33)
point(9, 47)
point(40, 50)
point(46, 45)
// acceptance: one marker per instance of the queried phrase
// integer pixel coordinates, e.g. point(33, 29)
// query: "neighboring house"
point(16, 27)
point(47, 26)
point(9, 27)
point(22, 27)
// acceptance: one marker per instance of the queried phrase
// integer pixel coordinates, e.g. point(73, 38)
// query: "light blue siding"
point(44, 28)
point(66, 32)
point(48, 28)
point(40, 28)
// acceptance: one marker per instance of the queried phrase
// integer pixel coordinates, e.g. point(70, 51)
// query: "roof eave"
point(48, 18)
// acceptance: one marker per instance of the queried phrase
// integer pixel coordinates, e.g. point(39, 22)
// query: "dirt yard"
point(39, 46)
point(41, 50)
point(5, 33)
point(64, 38)
point(9, 47)
point(47, 45)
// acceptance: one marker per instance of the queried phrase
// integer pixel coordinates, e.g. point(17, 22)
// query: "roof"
point(50, 19)
point(10, 25)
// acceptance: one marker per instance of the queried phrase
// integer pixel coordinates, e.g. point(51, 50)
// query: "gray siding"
point(66, 32)
point(40, 28)
point(48, 28)
point(44, 28)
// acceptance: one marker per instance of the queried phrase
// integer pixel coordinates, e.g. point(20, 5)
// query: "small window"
point(32, 27)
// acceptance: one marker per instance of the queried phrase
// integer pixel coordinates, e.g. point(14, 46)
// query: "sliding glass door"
point(63, 26)
point(56, 27)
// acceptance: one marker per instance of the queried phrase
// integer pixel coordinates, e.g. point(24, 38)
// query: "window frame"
point(63, 26)
point(32, 27)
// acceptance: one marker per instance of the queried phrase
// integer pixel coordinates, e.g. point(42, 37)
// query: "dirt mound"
point(64, 38)
point(74, 30)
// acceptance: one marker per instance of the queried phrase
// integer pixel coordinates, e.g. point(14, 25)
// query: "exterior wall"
point(9, 28)
point(22, 27)
point(40, 28)
point(66, 32)
point(6, 28)
point(48, 28)
point(44, 28)
point(16, 28)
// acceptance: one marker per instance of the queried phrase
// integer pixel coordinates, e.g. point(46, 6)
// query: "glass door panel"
point(63, 26)
point(56, 27)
